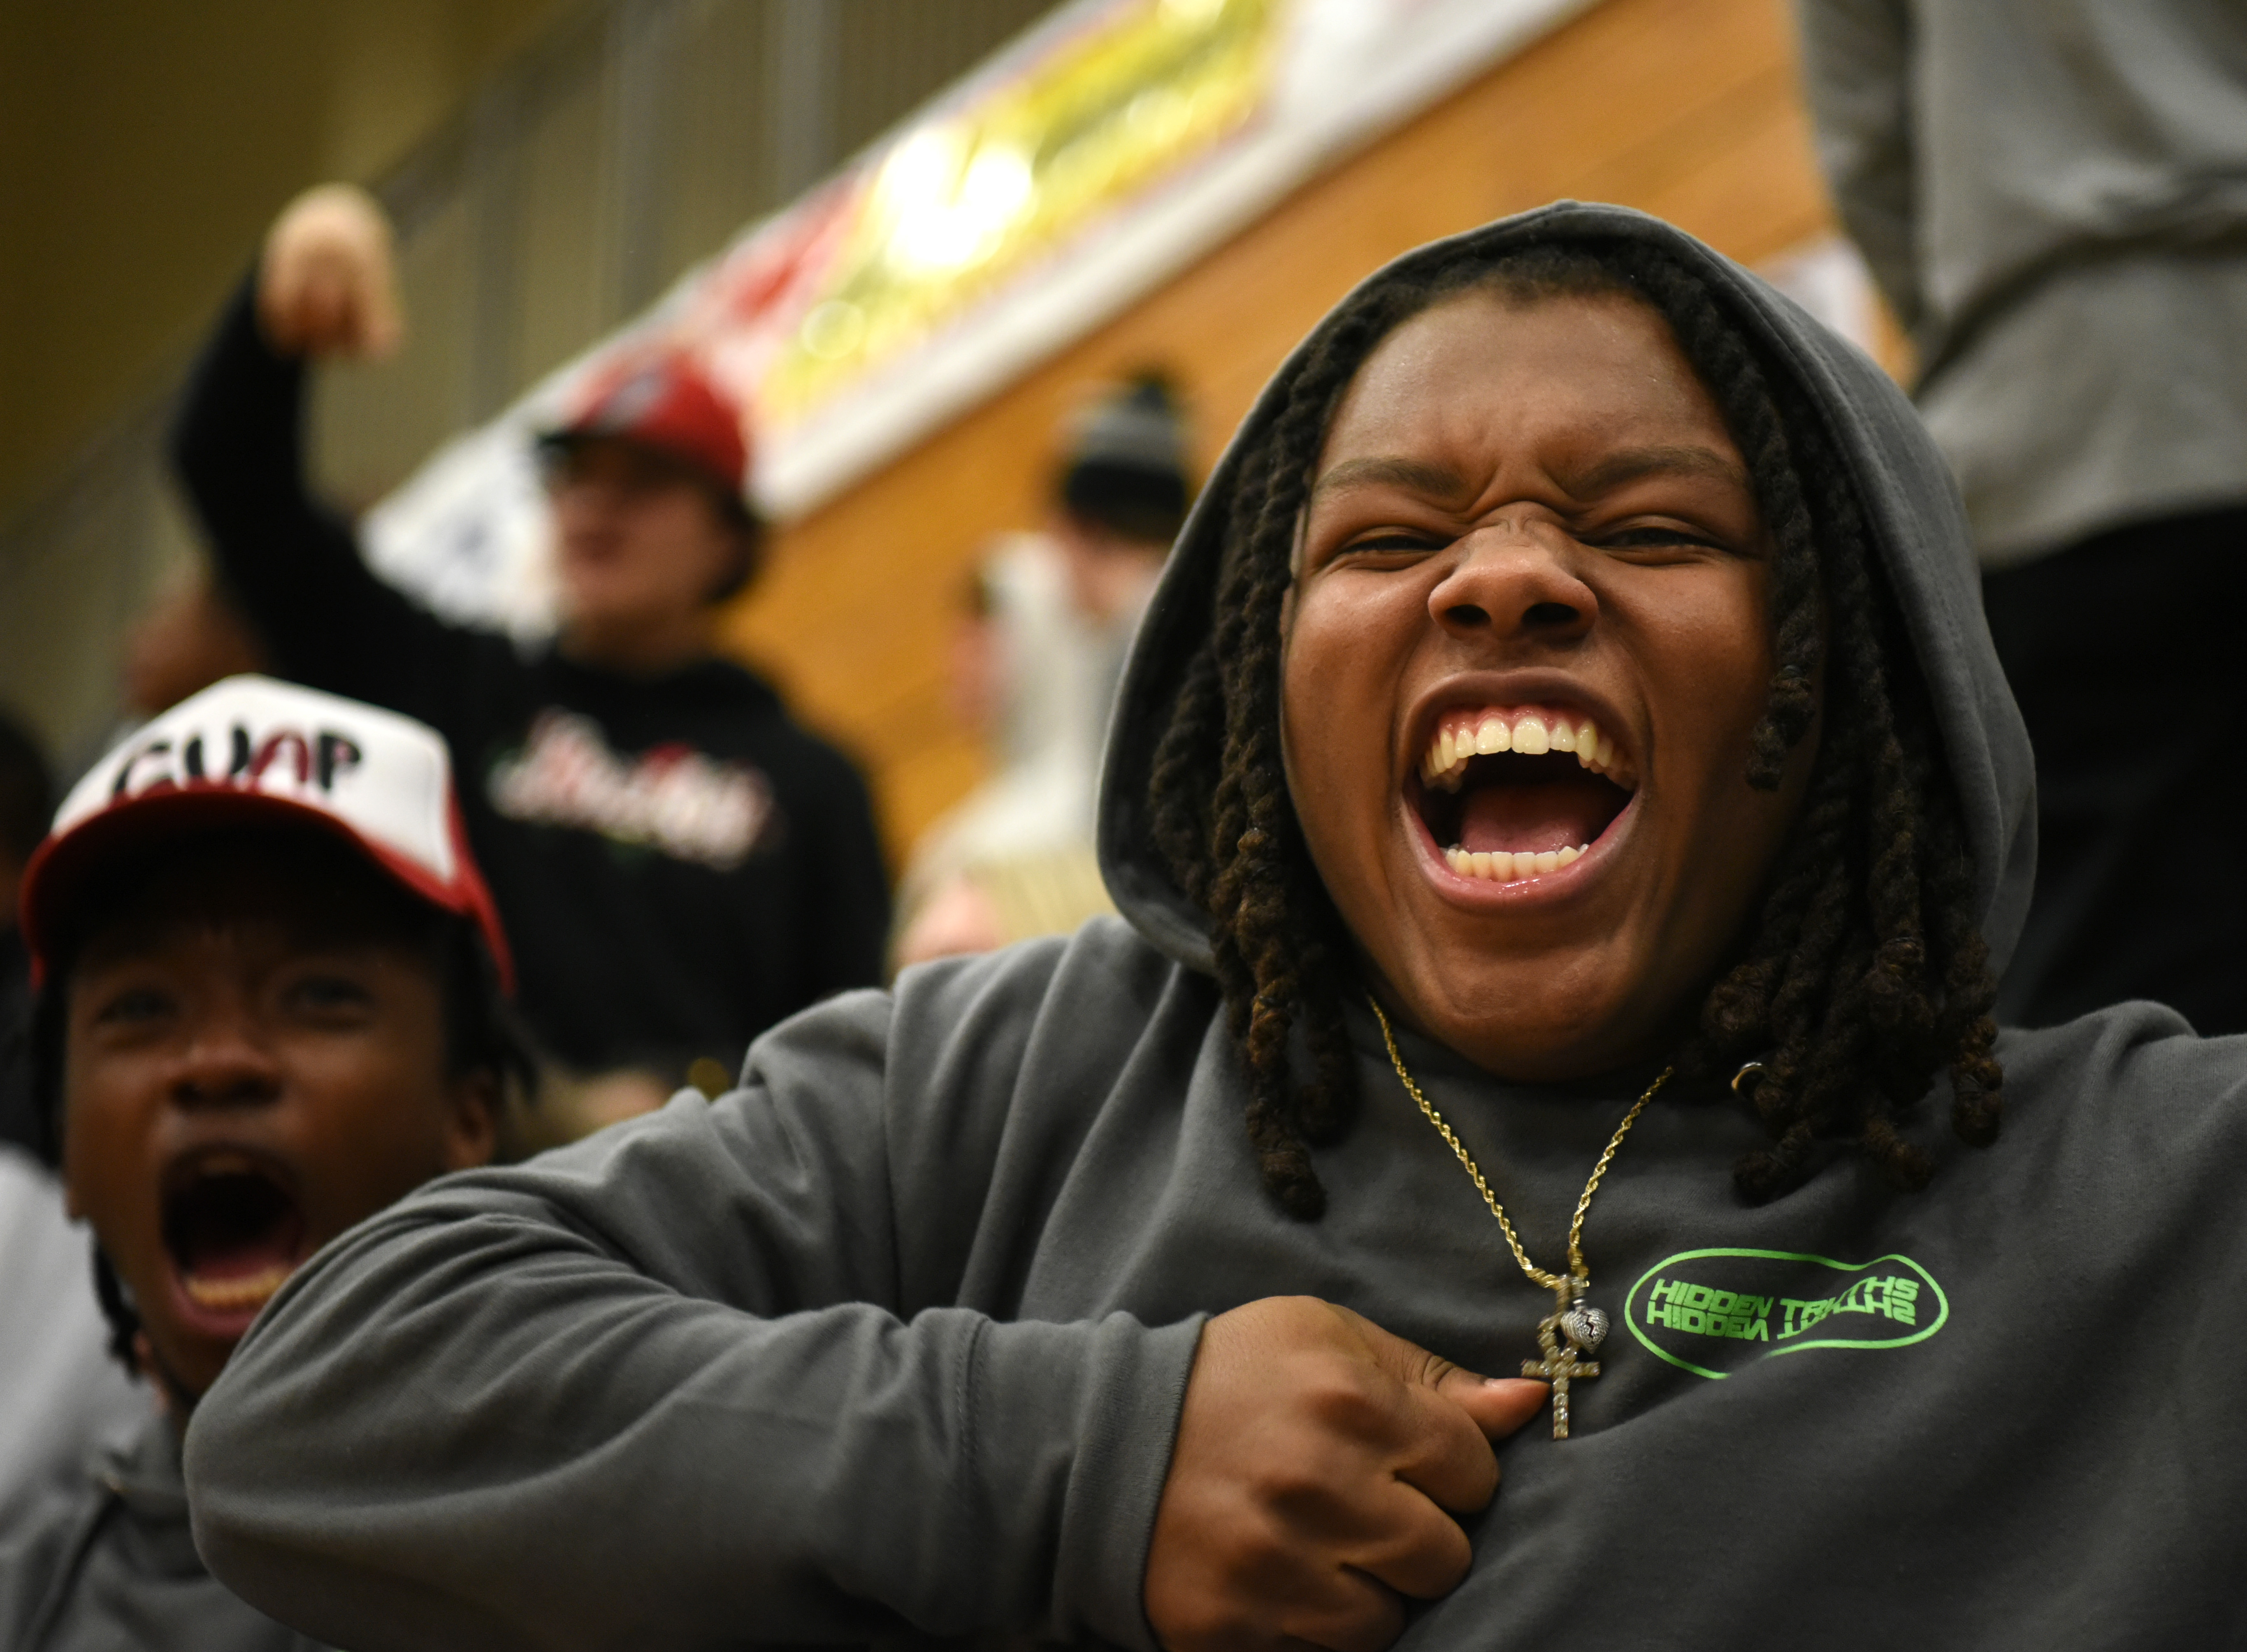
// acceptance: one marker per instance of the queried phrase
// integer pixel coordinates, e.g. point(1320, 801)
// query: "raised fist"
point(1319, 1464)
point(326, 283)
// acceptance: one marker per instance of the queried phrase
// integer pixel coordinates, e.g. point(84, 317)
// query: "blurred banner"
point(1087, 163)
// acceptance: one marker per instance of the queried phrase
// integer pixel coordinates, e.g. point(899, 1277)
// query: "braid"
point(1868, 1003)
point(1717, 350)
point(1274, 931)
point(1865, 973)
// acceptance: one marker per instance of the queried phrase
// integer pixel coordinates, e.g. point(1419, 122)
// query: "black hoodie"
point(891, 1342)
point(679, 864)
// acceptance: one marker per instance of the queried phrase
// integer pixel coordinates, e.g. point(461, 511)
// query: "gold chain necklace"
point(1582, 1326)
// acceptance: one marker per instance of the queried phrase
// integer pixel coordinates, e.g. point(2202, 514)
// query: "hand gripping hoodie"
point(889, 1344)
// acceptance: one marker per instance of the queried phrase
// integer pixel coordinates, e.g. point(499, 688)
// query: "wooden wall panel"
point(1687, 108)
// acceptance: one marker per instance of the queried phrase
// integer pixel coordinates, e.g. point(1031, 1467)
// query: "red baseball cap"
point(254, 751)
point(663, 399)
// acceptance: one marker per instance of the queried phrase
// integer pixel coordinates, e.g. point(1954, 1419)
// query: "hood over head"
point(1910, 504)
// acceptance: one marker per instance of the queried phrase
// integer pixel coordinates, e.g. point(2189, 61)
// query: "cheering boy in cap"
point(680, 864)
point(270, 1004)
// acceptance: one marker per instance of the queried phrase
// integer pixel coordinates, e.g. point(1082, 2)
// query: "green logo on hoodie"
point(1710, 1312)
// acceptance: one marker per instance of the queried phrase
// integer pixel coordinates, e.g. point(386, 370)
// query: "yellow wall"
point(1686, 108)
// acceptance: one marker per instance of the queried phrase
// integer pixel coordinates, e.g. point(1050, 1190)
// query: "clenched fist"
point(1319, 1462)
point(326, 283)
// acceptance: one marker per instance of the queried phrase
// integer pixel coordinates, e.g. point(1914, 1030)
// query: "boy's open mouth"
point(234, 1231)
point(1512, 794)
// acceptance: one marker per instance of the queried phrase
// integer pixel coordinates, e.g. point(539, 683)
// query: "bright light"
point(949, 228)
point(998, 184)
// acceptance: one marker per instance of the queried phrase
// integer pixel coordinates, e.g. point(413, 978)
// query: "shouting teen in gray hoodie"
point(1574, 672)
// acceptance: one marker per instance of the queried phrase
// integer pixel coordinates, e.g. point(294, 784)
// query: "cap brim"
point(61, 867)
point(691, 464)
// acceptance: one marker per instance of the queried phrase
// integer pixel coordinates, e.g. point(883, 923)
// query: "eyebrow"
point(1416, 474)
point(1629, 465)
point(1612, 470)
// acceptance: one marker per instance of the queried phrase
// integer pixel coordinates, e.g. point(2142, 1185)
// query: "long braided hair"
point(1865, 974)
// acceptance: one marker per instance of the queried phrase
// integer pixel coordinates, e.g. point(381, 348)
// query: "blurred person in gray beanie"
point(1050, 619)
point(1123, 492)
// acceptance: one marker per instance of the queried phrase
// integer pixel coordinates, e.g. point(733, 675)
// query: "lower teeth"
point(245, 1290)
point(1505, 866)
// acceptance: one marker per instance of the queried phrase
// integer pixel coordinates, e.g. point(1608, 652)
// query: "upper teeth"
point(1466, 735)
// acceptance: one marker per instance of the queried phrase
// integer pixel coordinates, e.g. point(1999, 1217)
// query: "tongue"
point(1557, 815)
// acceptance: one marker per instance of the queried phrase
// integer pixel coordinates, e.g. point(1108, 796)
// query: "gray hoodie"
point(890, 1342)
point(2052, 195)
point(102, 1558)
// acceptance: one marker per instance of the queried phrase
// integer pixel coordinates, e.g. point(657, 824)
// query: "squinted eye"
point(1653, 536)
point(1393, 541)
point(328, 992)
point(133, 1005)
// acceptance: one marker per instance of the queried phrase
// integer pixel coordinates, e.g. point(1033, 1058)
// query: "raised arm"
point(670, 1389)
point(1856, 66)
point(322, 289)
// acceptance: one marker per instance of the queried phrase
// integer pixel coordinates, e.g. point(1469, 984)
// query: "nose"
point(224, 1064)
point(1514, 579)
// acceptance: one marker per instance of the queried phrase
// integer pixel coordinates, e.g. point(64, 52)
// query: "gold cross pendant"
point(1566, 1334)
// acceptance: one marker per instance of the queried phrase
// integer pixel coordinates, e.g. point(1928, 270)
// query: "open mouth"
point(234, 1231)
point(1513, 793)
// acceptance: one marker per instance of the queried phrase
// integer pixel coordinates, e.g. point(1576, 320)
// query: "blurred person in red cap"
point(681, 863)
point(271, 1001)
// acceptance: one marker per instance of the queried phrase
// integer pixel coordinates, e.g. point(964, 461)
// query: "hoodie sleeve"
point(665, 1389)
point(1856, 66)
point(288, 558)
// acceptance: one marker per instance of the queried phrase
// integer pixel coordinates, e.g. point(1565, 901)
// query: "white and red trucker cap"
point(253, 751)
